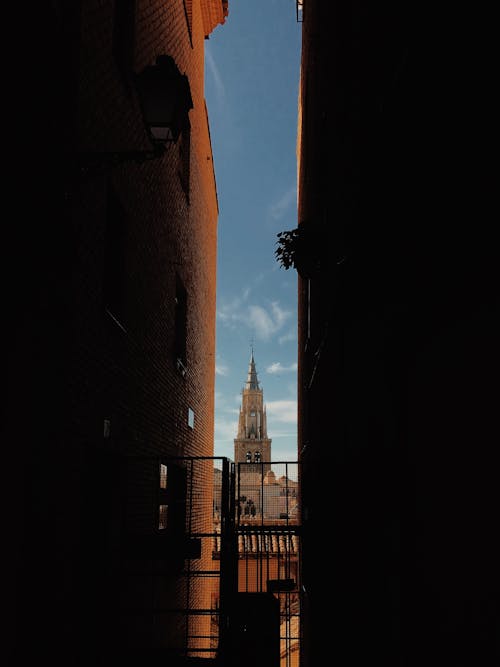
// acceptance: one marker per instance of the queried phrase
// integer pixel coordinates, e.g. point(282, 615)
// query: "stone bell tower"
point(252, 444)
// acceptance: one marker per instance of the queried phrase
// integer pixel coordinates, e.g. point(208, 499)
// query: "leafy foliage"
point(300, 249)
point(288, 247)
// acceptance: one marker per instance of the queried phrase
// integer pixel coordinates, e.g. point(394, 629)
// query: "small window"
point(252, 413)
point(162, 520)
point(190, 418)
point(171, 506)
point(163, 476)
point(249, 457)
point(257, 457)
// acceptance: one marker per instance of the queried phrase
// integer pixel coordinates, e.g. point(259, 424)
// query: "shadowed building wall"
point(398, 318)
point(117, 327)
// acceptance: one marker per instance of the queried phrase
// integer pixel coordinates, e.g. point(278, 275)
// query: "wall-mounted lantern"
point(165, 100)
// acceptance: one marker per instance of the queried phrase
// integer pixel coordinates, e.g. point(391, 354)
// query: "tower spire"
point(252, 380)
point(252, 444)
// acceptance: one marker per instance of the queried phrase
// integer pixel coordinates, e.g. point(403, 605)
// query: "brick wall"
point(109, 365)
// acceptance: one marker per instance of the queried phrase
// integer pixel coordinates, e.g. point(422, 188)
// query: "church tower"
point(252, 444)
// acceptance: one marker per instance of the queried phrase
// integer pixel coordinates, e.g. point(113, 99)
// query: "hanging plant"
point(298, 249)
point(287, 248)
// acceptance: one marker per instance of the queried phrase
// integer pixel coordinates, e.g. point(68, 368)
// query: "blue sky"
point(252, 66)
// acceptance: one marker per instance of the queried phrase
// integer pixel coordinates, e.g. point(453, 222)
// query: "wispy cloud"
point(221, 368)
point(230, 312)
point(282, 411)
point(261, 322)
point(278, 209)
point(215, 73)
point(277, 367)
point(264, 321)
point(280, 315)
point(267, 322)
point(285, 338)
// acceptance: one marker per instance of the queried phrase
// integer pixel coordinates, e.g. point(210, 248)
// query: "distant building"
point(252, 444)
point(267, 507)
point(259, 492)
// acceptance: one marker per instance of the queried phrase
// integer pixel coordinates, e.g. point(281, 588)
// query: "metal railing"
point(200, 534)
point(268, 534)
point(175, 592)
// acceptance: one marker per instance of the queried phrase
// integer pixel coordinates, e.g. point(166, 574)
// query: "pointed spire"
point(252, 381)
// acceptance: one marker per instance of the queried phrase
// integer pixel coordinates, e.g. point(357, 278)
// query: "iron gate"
point(205, 543)
point(268, 539)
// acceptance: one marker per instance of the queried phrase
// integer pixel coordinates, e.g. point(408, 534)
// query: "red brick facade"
point(122, 246)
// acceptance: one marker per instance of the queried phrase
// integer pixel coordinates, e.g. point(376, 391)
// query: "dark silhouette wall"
point(398, 326)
